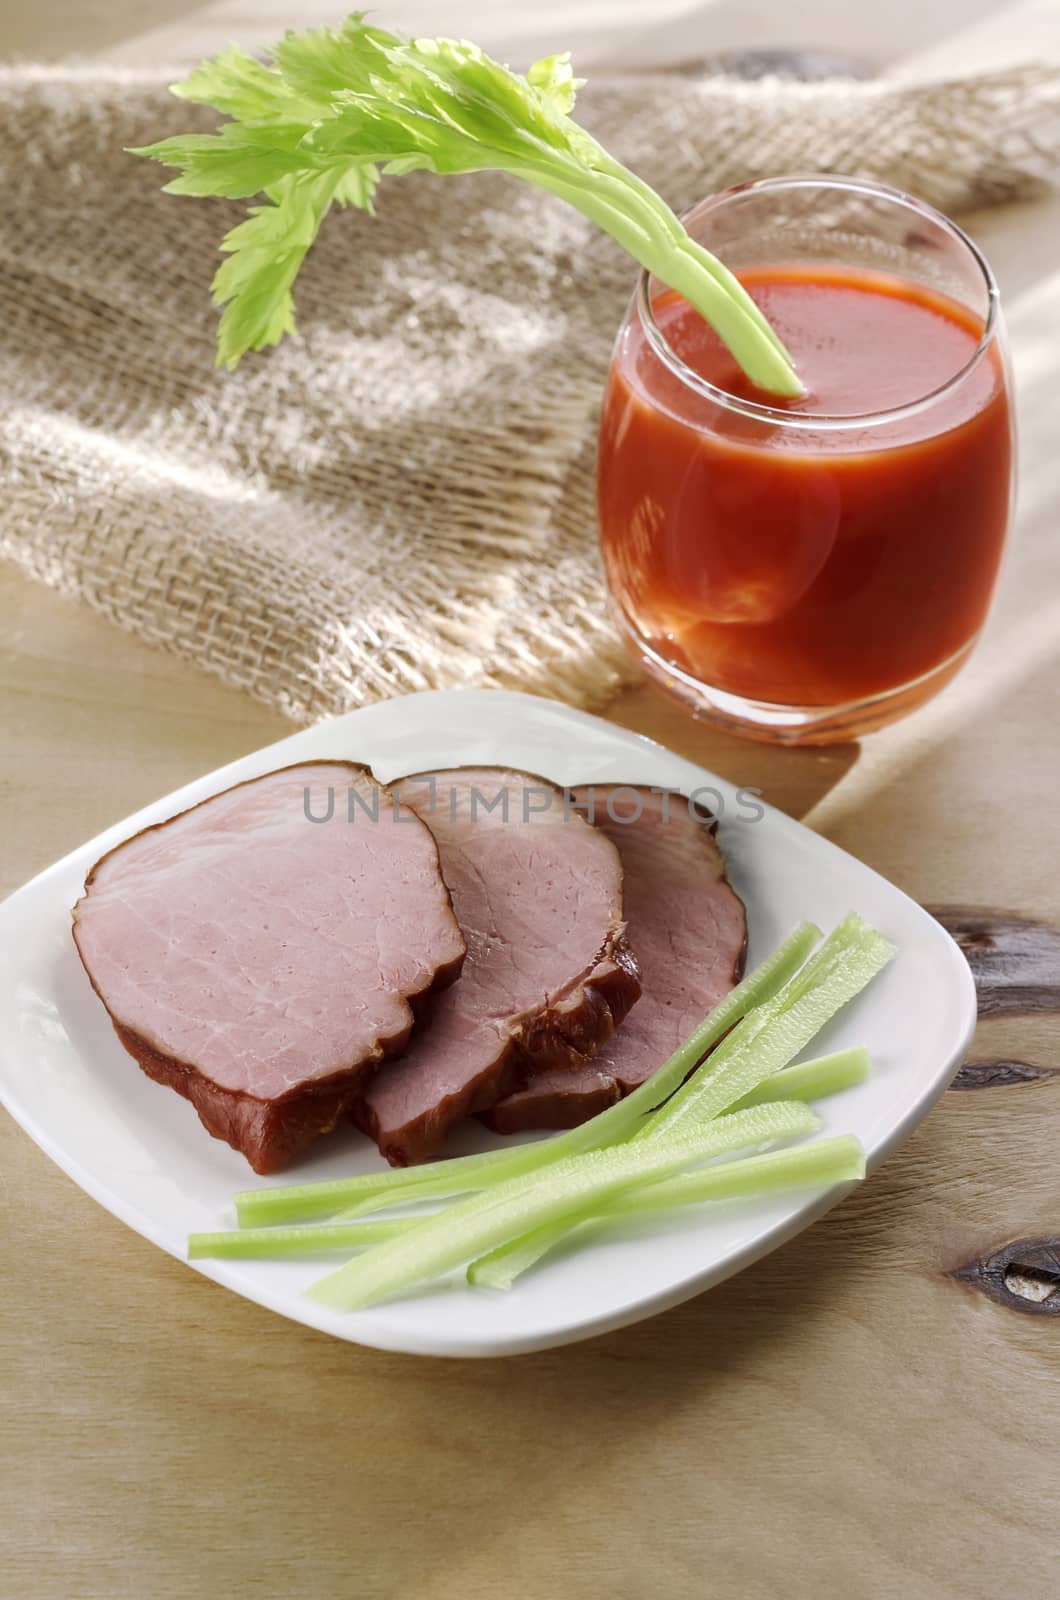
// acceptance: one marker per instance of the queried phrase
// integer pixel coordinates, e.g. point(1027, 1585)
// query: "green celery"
point(824, 1163)
point(775, 1032)
point(263, 1243)
point(732, 1133)
point(337, 110)
point(752, 1127)
point(839, 1159)
point(341, 1197)
point(473, 1226)
point(812, 1080)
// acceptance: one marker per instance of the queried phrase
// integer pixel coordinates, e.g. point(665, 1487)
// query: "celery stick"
point(256, 1243)
point(722, 1136)
point(576, 1186)
point(430, 1187)
point(812, 1080)
point(300, 1202)
point(824, 1163)
point(375, 1190)
point(804, 980)
point(336, 111)
point(768, 1039)
point(768, 979)
point(754, 1126)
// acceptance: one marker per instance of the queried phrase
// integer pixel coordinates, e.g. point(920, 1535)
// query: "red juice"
point(838, 549)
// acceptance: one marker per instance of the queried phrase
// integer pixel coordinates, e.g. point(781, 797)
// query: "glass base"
point(792, 725)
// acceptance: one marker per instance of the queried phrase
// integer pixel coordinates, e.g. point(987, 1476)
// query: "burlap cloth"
point(400, 498)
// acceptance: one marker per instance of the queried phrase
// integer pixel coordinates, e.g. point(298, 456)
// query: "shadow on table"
point(545, 1434)
point(794, 780)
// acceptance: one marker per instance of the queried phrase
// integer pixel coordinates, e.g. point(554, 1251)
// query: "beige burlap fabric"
point(401, 497)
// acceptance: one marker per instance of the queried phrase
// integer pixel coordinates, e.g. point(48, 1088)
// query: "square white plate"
point(140, 1151)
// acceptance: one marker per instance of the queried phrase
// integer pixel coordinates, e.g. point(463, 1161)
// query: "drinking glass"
point(803, 575)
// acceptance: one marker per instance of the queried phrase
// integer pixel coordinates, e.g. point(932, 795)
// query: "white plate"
point(139, 1150)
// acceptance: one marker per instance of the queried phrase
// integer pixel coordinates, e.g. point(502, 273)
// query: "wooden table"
point(845, 1420)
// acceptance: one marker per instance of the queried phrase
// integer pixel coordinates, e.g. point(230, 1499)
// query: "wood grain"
point(1015, 960)
point(1001, 1074)
point(852, 1419)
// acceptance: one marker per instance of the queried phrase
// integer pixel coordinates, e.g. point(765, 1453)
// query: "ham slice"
point(548, 976)
point(689, 931)
point(261, 963)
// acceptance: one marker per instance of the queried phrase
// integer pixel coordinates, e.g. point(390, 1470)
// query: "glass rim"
point(777, 415)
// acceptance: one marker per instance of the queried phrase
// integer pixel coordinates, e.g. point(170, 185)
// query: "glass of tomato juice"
point(803, 571)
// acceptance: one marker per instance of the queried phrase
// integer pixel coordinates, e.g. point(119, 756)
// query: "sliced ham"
point(259, 962)
point(689, 932)
point(548, 976)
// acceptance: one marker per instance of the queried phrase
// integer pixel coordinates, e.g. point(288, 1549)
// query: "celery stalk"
point(773, 1034)
point(773, 975)
point(824, 1163)
point(337, 111)
point(755, 1126)
point(300, 1202)
point(258, 1243)
point(576, 1186)
point(460, 1174)
point(839, 1159)
point(812, 1080)
point(732, 1133)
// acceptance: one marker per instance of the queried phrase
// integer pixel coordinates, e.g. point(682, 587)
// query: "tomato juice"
point(815, 552)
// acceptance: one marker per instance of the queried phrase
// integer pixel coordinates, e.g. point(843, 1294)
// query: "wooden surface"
point(845, 1420)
